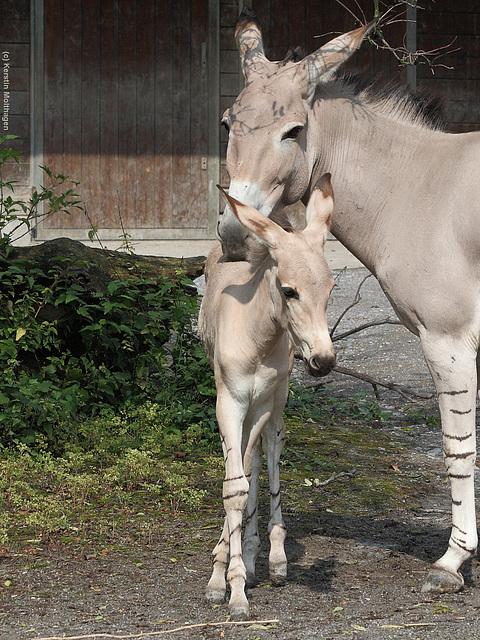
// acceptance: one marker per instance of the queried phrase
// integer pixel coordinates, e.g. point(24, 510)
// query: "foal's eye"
point(288, 292)
point(293, 133)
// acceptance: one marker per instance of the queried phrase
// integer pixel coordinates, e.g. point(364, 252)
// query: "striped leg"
point(253, 429)
point(251, 538)
point(230, 416)
point(217, 584)
point(453, 367)
point(273, 441)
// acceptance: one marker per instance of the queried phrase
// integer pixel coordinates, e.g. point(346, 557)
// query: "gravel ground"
point(349, 575)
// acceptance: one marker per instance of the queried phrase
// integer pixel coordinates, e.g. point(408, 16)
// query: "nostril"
point(321, 365)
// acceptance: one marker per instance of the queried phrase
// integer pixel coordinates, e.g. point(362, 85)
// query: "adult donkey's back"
point(407, 206)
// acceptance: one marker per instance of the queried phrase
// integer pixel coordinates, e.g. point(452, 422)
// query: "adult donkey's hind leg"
point(452, 363)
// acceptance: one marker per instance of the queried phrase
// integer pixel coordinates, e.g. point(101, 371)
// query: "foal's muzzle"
point(319, 366)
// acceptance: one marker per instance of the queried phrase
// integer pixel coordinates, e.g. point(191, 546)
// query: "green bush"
point(69, 352)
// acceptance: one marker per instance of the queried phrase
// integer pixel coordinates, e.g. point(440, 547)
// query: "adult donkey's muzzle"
point(232, 235)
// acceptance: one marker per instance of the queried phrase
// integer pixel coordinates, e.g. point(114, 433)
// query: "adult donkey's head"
point(271, 153)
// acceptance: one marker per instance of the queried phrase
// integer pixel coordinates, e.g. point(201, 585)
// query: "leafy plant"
point(70, 351)
point(18, 217)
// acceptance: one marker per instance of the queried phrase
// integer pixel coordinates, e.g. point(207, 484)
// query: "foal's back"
point(226, 293)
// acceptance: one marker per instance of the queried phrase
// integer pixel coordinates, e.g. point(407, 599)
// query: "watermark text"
point(5, 79)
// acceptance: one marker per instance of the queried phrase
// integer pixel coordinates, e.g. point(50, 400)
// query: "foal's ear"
point(264, 229)
point(320, 208)
point(322, 64)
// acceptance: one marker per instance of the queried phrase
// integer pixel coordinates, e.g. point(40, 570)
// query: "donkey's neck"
point(376, 161)
point(263, 313)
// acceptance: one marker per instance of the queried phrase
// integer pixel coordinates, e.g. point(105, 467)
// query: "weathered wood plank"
point(164, 86)
point(145, 178)
point(181, 112)
point(72, 101)
point(90, 132)
point(127, 28)
point(109, 116)
point(198, 188)
point(53, 112)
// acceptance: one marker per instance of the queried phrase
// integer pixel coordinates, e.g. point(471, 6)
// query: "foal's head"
point(301, 279)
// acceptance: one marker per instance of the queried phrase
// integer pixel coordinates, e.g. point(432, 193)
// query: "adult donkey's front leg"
point(453, 367)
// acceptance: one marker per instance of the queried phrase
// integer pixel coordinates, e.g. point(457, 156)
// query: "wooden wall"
point(285, 23)
point(456, 76)
point(126, 107)
point(15, 86)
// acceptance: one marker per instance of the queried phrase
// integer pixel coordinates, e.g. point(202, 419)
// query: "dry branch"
point(393, 13)
point(405, 392)
point(362, 327)
point(356, 299)
point(151, 634)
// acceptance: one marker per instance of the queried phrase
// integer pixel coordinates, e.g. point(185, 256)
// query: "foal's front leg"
point(452, 364)
point(230, 416)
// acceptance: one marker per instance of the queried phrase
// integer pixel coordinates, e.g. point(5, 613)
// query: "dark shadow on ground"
point(376, 537)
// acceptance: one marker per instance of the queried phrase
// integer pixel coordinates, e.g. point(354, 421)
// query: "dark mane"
point(418, 107)
point(294, 54)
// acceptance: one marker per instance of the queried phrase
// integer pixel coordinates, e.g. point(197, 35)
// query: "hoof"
point(252, 581)
point(215, 597)
point(278, 580)
point(239, 613)
point(441, 581)
point(278, 575)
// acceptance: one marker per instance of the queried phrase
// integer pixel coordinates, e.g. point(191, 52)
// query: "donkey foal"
point(252, 313)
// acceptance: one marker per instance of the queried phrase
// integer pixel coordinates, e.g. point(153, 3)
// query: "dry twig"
point(151, 634)
point(355, 301)
point(390, 14)
point(335, 476)
point(405, 392)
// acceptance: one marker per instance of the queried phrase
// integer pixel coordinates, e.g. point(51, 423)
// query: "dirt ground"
point(349, 575)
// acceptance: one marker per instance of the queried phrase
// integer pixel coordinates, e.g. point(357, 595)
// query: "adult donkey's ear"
point(248, 36)
point(322, 64)
point(319, 209)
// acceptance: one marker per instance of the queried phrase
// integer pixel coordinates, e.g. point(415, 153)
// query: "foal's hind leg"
point(453, 367)
point(273, 441)
point(251, 538)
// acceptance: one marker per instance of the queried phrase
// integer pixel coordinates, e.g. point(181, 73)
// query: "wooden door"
point(126, 114)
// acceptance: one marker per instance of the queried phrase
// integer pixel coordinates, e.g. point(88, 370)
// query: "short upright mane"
point(396, 101)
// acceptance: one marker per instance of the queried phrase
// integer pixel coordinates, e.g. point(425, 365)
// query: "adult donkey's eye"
point(288, 292)
point(292, 134)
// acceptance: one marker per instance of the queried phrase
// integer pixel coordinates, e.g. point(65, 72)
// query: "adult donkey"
point(407, 206)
